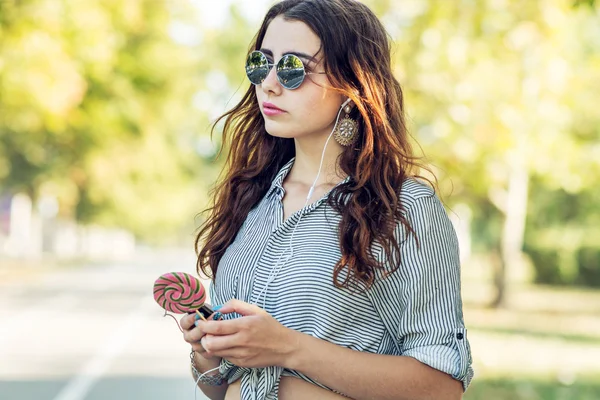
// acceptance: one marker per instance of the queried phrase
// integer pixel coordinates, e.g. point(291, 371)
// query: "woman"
point(337, 268)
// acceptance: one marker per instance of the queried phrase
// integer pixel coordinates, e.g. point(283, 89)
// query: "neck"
point(308, 158)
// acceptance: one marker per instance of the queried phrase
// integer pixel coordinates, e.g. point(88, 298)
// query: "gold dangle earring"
point(346, 132)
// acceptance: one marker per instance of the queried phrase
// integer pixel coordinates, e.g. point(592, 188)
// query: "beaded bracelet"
point(213, 380)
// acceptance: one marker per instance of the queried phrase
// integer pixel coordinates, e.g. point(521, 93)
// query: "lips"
point(271, 107)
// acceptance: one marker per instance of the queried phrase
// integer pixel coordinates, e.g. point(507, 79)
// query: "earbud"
point(344, 103)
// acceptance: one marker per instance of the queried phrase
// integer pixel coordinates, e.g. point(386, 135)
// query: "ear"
point(350, 102)
point(347, 106)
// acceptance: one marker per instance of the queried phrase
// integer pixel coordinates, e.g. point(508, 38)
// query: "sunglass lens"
point(290, 71)
point(257, 67)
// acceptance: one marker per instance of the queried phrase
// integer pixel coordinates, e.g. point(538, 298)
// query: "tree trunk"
point(513, 233)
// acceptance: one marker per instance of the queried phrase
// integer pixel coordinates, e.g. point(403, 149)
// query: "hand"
point(193, 334)
point(254, 340)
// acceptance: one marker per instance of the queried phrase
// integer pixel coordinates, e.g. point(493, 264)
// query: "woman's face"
point(309, 110)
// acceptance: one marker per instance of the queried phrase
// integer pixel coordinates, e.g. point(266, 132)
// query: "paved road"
point(93, 333)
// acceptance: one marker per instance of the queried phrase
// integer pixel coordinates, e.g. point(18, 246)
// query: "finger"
point(216, 316)
point(220, 328)
point(232, 353)
point(193, 335)
point(198, 348)
point(187, 322)
point(218, 345)
point(240, 307)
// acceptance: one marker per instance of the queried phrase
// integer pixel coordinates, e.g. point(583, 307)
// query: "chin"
point(278, 132)
point(282, 136)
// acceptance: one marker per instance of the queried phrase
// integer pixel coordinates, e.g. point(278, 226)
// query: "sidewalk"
point(14, 270)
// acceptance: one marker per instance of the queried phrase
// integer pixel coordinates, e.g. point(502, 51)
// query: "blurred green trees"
point(102, 106)
point(503, 98)
point(95, 109)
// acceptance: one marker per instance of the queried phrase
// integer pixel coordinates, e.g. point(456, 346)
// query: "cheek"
point(320, 106)
point(258, 93)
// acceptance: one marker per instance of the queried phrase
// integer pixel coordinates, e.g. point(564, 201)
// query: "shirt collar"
point(277, 183)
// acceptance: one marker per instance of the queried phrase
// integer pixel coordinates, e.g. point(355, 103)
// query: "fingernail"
point(217, 316)
point(217, 308)
point(196, 323)
point(196, 316)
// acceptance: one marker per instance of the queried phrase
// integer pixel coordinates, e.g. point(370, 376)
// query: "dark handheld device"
point(205, 311)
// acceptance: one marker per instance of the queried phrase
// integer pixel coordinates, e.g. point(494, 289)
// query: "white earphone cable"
point(200, 375)
point(277, 268)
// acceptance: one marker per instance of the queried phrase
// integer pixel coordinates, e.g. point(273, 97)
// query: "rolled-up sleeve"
point(420, 303)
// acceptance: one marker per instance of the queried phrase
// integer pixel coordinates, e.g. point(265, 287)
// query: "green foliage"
point(522, 389)
point(589, 3)
point(563, 238)
point(102, 107)
point(495, 89)
point(566, 255)
point(560, 266)
point(95, 106)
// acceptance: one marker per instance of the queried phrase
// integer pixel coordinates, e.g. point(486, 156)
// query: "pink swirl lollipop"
point(179, 292)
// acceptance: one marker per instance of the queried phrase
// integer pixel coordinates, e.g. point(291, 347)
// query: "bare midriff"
point(290, 388)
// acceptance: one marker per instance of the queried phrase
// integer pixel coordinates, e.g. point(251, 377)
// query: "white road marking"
point(18, 324)
point(82, 383)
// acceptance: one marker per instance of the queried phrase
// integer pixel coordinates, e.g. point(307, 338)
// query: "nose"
point(271, 84)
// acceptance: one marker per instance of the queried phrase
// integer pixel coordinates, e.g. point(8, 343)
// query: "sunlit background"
point(106, 161)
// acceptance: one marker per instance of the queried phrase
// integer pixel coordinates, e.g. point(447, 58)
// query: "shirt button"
point(459, 336)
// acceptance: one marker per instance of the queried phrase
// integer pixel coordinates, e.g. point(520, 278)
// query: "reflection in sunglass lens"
point(257, 67)
point(290, 71)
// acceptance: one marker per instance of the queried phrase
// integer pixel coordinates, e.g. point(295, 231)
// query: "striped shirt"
point(415, 312)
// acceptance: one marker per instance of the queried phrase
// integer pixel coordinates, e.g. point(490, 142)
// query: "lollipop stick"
point(201, 316)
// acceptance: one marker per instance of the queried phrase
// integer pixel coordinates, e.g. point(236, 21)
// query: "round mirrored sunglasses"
point(289, 69)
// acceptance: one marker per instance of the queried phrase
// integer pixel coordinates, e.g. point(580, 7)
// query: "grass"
point(544, 345)
point(532, 389)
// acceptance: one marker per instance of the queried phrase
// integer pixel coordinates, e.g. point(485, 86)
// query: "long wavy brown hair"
point(357, 61)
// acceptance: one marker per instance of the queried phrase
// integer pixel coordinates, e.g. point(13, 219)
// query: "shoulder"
point(423, 209)
point(414, 191)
